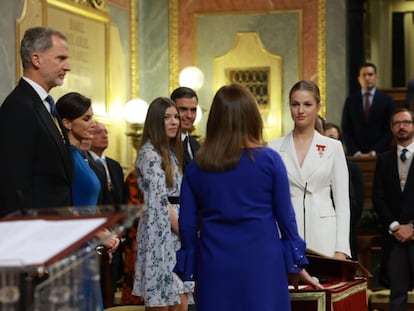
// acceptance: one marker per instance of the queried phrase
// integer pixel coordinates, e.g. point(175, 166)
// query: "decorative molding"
point(96, 4)
point(319, 297)
point(133, 45)
point(173, 43)
point(81, 8)
point(124, 4)
point(322, 54)
point(249, 63)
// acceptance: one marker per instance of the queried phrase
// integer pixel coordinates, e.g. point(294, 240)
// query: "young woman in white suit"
point(318, 176)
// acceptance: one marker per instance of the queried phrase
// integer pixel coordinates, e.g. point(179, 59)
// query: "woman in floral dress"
point(159, 178)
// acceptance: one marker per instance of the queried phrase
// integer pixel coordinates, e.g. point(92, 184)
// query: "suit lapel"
point(410, 175)
point(193, 144)
point(116, 177)
point(318, 152)
point(288, 153)
point(358, 112)
point(61, 143)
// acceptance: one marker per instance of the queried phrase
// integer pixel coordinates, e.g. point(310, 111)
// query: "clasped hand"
point(403, 233)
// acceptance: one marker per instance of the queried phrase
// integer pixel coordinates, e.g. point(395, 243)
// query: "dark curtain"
point(398, 51)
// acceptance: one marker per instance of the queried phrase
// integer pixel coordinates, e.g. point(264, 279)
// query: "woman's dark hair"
point(72, 105)
point(234, 121)
point(330, 125)
point(183, 92)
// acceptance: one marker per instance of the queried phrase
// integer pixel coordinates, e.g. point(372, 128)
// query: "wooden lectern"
point(49, 262)
point(345, 285)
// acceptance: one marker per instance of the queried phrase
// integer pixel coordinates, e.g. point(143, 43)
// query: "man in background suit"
point(186, 100)
point(36, 164)
point(393, 197)
point(366, 115)
point(111, 175)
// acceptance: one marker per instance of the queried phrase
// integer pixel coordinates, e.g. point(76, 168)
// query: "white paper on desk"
point(33, 242)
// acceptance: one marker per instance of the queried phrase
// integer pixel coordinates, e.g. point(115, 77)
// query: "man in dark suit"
point(186, 100)
point(36, 164)
point(366, 115)
point(111, 175)
point(393, 197)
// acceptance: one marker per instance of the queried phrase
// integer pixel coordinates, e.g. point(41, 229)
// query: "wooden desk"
point(338, 296)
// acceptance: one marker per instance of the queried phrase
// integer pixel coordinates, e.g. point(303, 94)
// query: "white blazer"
point(323, 225)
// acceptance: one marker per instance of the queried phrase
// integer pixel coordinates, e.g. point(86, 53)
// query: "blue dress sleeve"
point(186, 256)
point(294, 252)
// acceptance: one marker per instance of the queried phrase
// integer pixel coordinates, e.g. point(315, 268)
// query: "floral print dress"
point(155, 281)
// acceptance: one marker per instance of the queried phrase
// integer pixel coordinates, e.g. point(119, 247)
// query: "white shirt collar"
point(371, 92)
point(410, 148)
point(184, 135)
point(95, 156)
point(39, 90)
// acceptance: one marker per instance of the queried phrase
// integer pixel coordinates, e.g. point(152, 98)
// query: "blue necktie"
point(52, 105)
point(403, 155)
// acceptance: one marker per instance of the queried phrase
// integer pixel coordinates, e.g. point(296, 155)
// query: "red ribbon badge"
point(321, 148)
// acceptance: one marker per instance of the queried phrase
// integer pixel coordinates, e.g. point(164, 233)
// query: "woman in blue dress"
point(158, 169)
point(237, 225)
point(76, 113)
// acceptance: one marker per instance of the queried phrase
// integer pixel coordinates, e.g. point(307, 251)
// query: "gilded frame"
point(321, 46)
point(87, 14)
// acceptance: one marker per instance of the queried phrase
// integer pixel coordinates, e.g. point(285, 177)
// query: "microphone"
point(304, 211)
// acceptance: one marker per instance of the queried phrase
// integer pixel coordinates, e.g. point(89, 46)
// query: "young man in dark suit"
point(366, 115)
point(36, 164)
point(393, 197)
point(186, 100)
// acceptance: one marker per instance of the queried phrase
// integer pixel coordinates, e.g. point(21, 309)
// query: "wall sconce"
point(199, 115)
point(135, 114)
point(191, 77)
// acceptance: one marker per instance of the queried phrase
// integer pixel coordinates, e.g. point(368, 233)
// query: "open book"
point(35, 242)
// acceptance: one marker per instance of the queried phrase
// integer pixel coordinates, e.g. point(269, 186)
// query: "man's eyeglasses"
point(403, 123)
